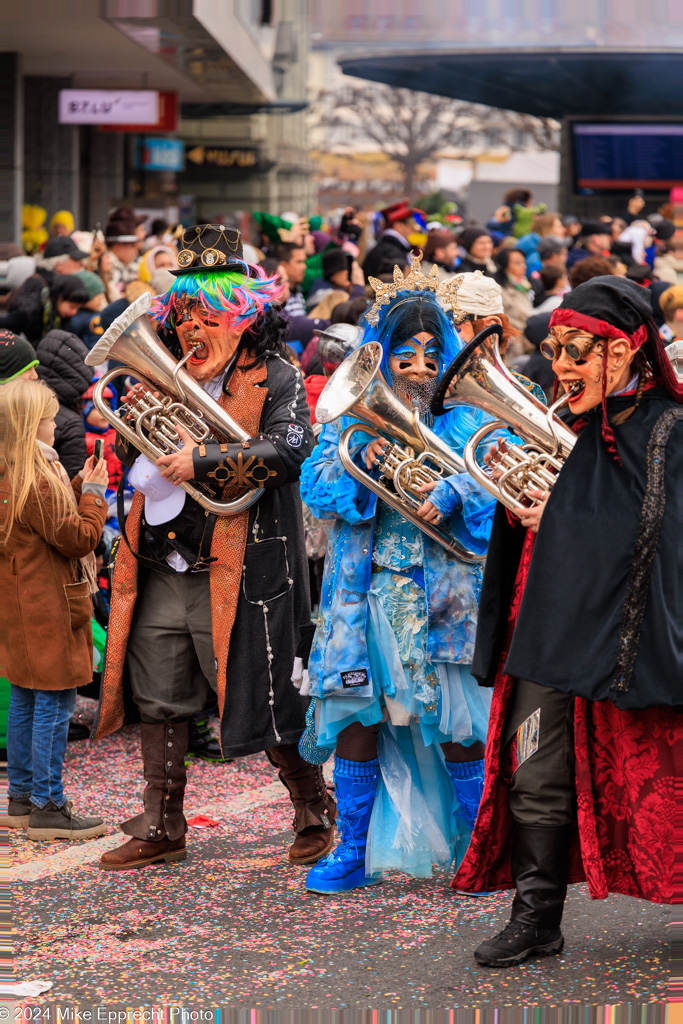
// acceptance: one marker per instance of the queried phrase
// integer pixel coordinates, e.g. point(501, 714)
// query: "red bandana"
point(570, 318)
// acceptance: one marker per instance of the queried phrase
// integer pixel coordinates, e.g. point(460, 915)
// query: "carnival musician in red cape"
point(578, 635)
point(206, 605)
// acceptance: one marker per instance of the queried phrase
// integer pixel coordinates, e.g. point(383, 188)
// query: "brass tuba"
point(478, 377)
point(150, 426)
point(415, 454)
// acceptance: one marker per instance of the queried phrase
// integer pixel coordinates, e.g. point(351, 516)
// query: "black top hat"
point(209, 247)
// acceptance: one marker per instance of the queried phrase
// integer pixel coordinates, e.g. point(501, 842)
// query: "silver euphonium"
point(414, 456)
point(150, 424)
point(478, 377)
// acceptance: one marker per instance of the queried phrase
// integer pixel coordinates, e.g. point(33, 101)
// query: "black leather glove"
point(249, 464)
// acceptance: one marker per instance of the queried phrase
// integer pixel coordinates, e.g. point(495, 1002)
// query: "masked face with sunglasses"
point(210, 337)
point(578, 359)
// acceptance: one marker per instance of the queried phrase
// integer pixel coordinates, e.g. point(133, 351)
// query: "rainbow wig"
point(239, 296)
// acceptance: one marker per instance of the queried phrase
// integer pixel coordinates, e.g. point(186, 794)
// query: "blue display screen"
point(627, 156)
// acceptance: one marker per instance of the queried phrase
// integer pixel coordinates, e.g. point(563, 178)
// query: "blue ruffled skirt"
point(420, 704)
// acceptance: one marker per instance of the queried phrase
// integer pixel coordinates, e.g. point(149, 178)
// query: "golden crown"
point(446, 292)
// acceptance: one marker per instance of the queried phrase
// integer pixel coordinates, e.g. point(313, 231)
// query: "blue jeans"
point(37, 731)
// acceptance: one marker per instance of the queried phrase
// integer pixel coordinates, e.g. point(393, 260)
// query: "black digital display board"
point(613, 156)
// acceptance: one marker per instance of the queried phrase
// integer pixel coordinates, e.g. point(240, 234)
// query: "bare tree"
point(411, 127)
point(544, 131)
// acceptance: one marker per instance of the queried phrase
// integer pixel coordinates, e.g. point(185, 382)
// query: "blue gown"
point(420, 704)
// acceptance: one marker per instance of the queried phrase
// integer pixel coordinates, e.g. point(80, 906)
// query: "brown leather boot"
point(163, 754)
point(314, 809)
point(137, 853)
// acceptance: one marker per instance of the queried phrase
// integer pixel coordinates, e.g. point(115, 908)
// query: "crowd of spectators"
point(64, 294)
point(59, 295)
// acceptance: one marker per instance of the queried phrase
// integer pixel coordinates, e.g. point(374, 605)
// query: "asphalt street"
point(234, 926)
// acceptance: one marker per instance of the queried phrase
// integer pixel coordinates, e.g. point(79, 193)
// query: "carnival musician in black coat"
point(204, 604)
point(579, 635)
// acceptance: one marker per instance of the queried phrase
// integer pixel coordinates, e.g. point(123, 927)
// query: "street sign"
point(108, 106)
point(159, 154)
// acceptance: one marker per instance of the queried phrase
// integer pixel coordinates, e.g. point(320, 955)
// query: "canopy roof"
point(547, 83)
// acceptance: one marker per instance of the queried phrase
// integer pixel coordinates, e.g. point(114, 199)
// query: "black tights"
point(359, 743)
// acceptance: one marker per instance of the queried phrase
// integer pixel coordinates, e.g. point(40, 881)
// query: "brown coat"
point(39, 649)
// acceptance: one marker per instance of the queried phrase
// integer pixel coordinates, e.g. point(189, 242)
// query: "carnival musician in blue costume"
point(390, 663)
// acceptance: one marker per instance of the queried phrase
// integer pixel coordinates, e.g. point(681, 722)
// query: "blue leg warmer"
point(468, 782)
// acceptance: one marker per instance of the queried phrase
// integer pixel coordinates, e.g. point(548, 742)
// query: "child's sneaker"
point(18, 813)
point(52, 822)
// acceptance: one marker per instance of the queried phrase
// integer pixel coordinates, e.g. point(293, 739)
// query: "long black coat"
point(276, 573)
point(600, 613)
point(62, 367)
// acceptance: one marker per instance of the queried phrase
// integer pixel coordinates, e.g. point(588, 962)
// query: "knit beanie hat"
point(16, 356)
point(93, 283)
point(335, 260)
point(65, 218)
point(469, 236)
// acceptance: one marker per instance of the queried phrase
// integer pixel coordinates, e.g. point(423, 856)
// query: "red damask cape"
point(627, 767)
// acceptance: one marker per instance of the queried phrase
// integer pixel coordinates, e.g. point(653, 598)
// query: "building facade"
point(230, 77)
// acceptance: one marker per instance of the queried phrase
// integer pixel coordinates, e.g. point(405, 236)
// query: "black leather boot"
point(540, 865)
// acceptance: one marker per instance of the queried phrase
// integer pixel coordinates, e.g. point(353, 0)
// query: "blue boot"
point(355, 786)
point(468, 782)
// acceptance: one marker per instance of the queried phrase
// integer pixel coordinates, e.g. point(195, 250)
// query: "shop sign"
point(160, 154)
point(108, 106)
point(207, 157)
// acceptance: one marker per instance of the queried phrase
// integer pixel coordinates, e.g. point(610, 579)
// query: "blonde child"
point(49, 529)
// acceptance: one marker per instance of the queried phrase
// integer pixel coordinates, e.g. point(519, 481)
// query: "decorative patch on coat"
point(295, 435)
point(355, 677)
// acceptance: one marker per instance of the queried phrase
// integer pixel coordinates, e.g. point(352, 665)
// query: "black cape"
point(600, 616)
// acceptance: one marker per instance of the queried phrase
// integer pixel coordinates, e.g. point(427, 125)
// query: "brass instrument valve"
point(391, 457)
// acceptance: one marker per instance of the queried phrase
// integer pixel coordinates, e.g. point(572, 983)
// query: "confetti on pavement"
point(233, 925)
